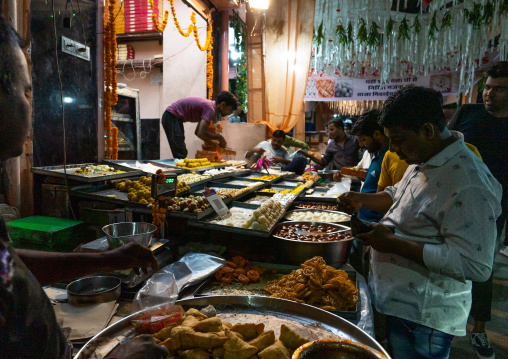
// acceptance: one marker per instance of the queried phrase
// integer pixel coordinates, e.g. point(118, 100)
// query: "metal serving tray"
point(255, 175)
point(340, 228)
point(162, 166)
point(58, 171)
point(172, 162)
point(205, 223)
point(274, 272)
point(101, 193)
point(299, 206)
point(318, 195)
point(310, 321)
point(317, 210)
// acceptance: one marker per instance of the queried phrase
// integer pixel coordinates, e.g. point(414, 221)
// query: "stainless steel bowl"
point(336, 349)
point(94, 289)
point(346, 222)
point(334, 253)
point(119, 234)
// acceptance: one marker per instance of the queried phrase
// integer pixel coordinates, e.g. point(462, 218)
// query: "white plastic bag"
point(159, 289)
point(340, 187)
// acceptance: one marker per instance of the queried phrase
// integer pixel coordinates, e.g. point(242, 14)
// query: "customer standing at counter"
point(443, 212)
point(200, 111)
point(28, 327)
point(486, 126)
point(342, 151)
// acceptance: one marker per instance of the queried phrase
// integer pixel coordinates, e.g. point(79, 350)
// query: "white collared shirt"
point(450, 203)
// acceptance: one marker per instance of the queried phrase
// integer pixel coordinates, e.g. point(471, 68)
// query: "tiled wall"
point(79, 83)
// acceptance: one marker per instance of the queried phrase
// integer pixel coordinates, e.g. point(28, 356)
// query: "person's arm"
point(351, 202)
point(291, 141)
point(468, 229)
point(318, 161)
point(382, 239)
point(53, 267)
point(468, 226)
point(280, 160)
point(203, 133)
point(253, 150)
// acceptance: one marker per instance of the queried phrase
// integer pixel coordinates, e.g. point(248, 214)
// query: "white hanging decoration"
point(409, 44)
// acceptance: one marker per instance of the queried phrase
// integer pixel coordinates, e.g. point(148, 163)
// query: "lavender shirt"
point(193, 109)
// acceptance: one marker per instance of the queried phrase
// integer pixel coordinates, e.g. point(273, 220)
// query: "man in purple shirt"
point(200, 111)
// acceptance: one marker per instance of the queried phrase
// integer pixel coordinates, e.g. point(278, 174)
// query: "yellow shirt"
point(393, 168)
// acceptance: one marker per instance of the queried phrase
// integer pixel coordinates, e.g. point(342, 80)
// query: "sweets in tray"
point(314, 283)
point(261, 219)
point(354, 171)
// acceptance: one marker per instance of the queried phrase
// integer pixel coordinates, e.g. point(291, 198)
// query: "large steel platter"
point(310, 321)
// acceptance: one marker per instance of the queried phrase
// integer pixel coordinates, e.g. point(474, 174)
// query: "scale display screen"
point(170, 180)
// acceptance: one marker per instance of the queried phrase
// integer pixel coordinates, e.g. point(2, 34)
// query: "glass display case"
point(125, 116)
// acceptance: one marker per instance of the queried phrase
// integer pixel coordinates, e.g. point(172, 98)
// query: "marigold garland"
point(110, 94)
point(192, 28)
point(154, 18)
point(158, 206)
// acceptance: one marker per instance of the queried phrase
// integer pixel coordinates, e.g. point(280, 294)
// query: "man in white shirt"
point(443, 213)
point(275, 152)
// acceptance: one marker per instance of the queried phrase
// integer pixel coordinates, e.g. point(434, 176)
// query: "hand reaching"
point(349, 202)
point(133, 255)
point(140, 347)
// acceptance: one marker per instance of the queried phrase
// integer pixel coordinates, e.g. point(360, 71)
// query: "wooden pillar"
point(224, 50)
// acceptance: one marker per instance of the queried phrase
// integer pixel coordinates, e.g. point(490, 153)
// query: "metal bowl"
point(119, 234)
point(288, 213)
point(336, 349)
point(95, 289)
point(296, 252)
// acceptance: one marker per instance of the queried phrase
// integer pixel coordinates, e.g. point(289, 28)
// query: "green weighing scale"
point(167, 189)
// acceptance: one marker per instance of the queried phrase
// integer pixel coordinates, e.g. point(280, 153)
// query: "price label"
point(217, 203)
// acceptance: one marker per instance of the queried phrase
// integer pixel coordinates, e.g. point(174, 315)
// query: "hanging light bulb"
point(259, 4)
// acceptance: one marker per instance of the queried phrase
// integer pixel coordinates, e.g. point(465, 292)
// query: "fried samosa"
point(236, 348)
point(206, 341)
point(249, 330)
point(164, 333)
point(264, 340)
point(170, 344)
point(290, 338)
point(208, 325)
point(194, 354)
point(195, 313)
point(176, 334)
point(275, 351)
point(190, 321)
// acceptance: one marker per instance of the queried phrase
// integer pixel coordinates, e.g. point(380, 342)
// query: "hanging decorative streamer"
point(440, 39)
point(110, 87)
point(354, 108)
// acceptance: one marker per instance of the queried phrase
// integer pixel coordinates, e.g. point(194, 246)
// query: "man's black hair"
point(337, 122)
point(411, 107)
point(279, 134)
point(498, 70)
point(228, 98)
point(367, 124)
point(9, 40)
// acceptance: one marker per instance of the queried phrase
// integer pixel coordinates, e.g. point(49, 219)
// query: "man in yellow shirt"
point(393, 168)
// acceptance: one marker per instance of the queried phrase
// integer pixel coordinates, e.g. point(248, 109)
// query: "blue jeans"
point(409, 340)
